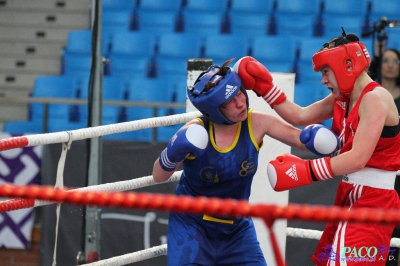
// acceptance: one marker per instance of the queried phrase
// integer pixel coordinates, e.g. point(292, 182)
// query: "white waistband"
point(372, 177)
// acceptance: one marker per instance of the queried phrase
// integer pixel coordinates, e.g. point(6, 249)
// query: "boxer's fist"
point(319, 139)
point(191, 140)
point(288, 171)
point(256, 77)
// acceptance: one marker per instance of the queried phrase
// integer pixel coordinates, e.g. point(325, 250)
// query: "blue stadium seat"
point(119, 5)
point(44, 87)
point(70, 116)
point(309, 46)
point(305, 73)
point(249, 25)
point(389, 9)
point(33, 126)
point(273, 49)
point(333, 25)
point(223, 47)
point(79, 42)
point(251, 6)
point(207, 6)
point(393, 39)
point(148, 90)
point(174, 51)
point(202, 23)
point(300, 25)
point(160, 5)
point(156, 22)
point(117, 20)
point(54, 86)
point(140, 44)
point(130, 52)
point(308, 7)
point(127, 67)
point(179, 45)
point(305, 94)
point(172, 67)
point(114, 89)
point(346, 7)
point(205, 17)
point(144, 90)
point(73, 64)
point(278, 66)
point(178, 95)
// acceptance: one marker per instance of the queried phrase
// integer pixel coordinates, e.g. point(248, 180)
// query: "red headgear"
point(347, 57)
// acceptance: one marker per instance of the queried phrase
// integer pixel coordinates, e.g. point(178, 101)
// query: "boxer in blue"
point(219, 152)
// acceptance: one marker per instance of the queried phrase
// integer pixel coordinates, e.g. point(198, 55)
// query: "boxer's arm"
point(256, 77)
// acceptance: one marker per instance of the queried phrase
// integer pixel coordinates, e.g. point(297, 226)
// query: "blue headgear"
point(224, 88)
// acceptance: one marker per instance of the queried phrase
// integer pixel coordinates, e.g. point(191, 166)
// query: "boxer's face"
point(329, 79)
point(235, 110)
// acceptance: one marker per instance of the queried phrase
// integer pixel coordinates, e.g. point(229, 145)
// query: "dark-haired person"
point(367, 122)
point(219, 152)
point(388, 63)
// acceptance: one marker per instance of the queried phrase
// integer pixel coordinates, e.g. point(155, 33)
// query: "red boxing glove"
point(288, 171)
point(256, 77)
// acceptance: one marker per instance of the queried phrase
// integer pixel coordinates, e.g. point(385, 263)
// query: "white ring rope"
point(162, 250)
point(91, 132)
point(132, 257)
point(145, 181)
point(303, 233)
point(315, 234)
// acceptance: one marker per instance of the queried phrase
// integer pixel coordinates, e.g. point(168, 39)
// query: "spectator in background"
point(389, 76)
point(388, 64)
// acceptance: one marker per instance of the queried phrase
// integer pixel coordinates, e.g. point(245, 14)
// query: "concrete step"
point(30, 49)
point(17, 81)
point(30, 65)
point(51, 5)
point(44, 19)
point(34, 34)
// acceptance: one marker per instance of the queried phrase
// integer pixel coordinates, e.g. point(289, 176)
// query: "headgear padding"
point(212, 88)
point(348, 58)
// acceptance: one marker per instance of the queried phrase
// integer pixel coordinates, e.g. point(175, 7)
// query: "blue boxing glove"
point(319, 139)
point(191, 140)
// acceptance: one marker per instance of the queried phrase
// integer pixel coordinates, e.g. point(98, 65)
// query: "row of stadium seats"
point(310, 7)
point(140, 54)
point(61, 117)
point(251, 18)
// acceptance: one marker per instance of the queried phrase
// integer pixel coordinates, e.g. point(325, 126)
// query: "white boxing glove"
point(191, 140)
point(319, 139)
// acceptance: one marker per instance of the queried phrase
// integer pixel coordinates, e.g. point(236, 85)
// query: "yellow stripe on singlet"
point(217, 220)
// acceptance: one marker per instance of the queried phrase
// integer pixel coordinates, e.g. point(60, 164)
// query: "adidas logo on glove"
point(292, 173)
